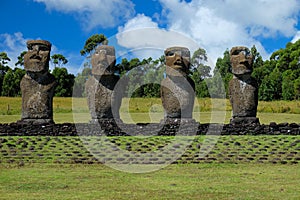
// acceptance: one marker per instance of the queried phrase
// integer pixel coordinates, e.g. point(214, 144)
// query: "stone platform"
point(111, 128)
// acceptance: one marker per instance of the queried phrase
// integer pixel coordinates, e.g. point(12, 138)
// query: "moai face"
point(241, 60)
point(103, 60)
point(38, 55)
point(177, 61)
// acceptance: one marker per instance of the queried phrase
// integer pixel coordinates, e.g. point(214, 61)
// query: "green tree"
point(21, 59)
point(92, 42)
point(198, 61)
point(58, 60)
point(297, 88)
point(222, 69)
point(153, 75)
point(65, 82)
point(4, 59)
point(288, 78)
point(287, 58)
point(79, 85)
point(11, 82)
point(277, 77)
point(199, 72)
point(271, 86)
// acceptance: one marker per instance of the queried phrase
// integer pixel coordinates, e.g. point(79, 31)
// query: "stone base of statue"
point(244, 120)
point(179, 126)
point(106, 121)
point(35, 121)
point(178, 121)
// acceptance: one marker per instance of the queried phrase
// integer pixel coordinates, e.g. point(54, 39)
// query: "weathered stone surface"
point(177, 90)
point(38, 55)
point(103, 101)
point(37, 85)
point(103, 60)
point(177, 61)
point(243, 89)
point(178, 97)
point(241, 60)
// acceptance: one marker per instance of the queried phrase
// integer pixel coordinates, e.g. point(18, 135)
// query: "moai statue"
point(178, 89)
point(103, 102)
point(38, 84)
point(243, 89)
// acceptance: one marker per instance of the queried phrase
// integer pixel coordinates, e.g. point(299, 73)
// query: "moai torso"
point(177, 90)
point(103, 102)
point(243, 97)
point(243, 89)
point(38, 84)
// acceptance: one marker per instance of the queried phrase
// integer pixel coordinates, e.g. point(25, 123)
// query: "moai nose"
point(178, 58)
point(36, 48)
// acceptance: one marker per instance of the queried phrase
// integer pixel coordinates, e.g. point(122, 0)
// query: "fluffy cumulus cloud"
point(93, 13)
point(143, 36)
point(220, 24)
point(216, 25)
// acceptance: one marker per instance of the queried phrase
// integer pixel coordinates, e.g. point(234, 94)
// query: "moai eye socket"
point(170, 53)
point(102, 51)
point(43, 48)
point(236, 52)
point(185, 53)
point(30, 47)
point(247, 52)
point(38, 47)
point(244, 52)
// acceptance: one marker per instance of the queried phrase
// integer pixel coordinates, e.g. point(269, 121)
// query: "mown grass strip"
point(201, 181)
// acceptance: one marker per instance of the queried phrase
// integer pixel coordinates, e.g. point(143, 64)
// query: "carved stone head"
point(103, 60)
point(241, 60)
point(38, 55)
point(177, 60)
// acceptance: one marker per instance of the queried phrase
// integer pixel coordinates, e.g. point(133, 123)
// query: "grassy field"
point(204, 181)
point(12, 105)
point(139, 110)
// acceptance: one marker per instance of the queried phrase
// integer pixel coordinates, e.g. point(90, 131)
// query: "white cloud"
point(296, 37)
point(145, 39)
point(93, 13)
point(261, 17)
point(13, 45)
point(220, 24)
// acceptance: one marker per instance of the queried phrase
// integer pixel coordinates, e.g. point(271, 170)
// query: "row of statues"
point(104, 100)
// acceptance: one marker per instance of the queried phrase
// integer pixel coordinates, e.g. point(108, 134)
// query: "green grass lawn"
point(193, 181)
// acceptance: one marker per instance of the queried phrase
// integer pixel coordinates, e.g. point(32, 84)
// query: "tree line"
point(278, 77)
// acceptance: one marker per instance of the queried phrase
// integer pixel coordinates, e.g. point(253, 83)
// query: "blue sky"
point(144, 28)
